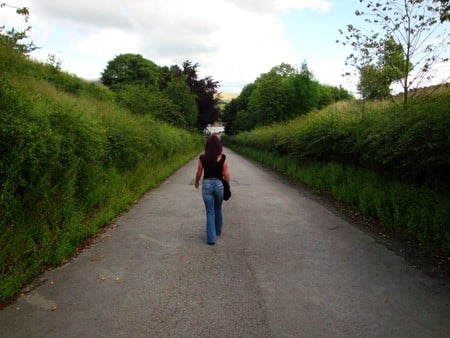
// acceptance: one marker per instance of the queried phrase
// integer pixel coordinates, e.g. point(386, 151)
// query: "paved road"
point(285, 266)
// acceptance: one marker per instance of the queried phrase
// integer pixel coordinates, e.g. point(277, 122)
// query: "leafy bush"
point(391, 164)
point(418, 211)
point(412, 145)
point(279, 95)
point(70, 160)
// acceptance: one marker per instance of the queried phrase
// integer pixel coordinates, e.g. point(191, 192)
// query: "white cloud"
point(234, 41)
point(231, 43)
point(106, 43)
point(97, 13)
point(329, 70)
point(279, 6)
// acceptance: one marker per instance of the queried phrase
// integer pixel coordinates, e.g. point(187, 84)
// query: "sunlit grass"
point(390, 163)
point(71, 160)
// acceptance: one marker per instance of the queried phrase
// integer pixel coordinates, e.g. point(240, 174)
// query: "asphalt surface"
point(285, 266)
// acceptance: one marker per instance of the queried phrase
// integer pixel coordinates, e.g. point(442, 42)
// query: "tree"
point(208, 102)
point(373, 83)
point(15, 37)
point(268, 102)
point(444, 9)
point(167, 74)
point(284, 70)
point(240, 103)
point(174, 85)
point(179, 92)
point(409, 24)
point(329, 94)
point(131, 69)
point(282, 94)
point(205, 91)
point(279, 95)
point(375, 79)
point(172, 94)
point(306, 91)
point(166, 110)
point(134, 97)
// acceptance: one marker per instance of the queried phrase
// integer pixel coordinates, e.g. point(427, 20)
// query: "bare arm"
point(226, 173)
point(198, 175)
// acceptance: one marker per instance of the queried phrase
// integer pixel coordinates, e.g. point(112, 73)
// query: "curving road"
point(285, 266)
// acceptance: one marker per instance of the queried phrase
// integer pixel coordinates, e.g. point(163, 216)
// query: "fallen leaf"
point(96, 258)
point(103, 277)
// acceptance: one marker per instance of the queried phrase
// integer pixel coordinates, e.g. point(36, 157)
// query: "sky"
point(233, 41)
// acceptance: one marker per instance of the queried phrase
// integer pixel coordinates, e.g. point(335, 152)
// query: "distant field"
point(227, 97)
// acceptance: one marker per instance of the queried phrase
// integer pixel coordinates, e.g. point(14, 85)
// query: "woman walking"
point(215, 167)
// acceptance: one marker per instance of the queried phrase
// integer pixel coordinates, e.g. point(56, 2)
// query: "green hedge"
point(417, 211)
point(68, 164)
point(413, 146)
point(390, 164)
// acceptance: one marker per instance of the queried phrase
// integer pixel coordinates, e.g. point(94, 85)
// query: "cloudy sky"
point(233, 41)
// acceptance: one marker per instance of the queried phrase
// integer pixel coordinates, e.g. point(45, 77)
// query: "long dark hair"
point(213, 148)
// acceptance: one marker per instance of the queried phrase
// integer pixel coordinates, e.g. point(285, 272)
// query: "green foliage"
point(373, 84)
point(16, 38)
point(204, 91)
point(179, 92)
point(418, 211)
point(166, 110)
point(403, 159)
point(170, 94)
point(134, 69)
point(232, 121)
point(330, 94)
point(404, 34)
point(15, 64)
point(444, 10)
point(65, 82)
point(70, 160)
point(375, 79)
point(268, 102)
point(161, 105)
point(412, 146)
point(134, 97)
point(279, 95)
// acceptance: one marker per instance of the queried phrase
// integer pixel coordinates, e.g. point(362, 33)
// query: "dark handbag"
point(226, 190)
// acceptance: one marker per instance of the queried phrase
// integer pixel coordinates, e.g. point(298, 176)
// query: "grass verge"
point(414, 211)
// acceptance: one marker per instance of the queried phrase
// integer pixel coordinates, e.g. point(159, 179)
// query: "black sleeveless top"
point(215, 171)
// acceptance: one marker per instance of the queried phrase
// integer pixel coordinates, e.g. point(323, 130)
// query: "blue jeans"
point(212, 192)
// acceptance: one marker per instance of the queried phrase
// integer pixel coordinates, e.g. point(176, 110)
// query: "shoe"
point(211, 243)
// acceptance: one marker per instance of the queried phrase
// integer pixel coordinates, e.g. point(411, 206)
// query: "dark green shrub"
point(68, 164)
point(418, 211)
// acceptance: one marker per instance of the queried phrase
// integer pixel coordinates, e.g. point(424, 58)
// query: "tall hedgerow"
point(391, 164)
point(70, 160)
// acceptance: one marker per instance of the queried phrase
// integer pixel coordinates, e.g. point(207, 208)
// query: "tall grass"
point(390, 164)
point(70, 160)
point(412, 146)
